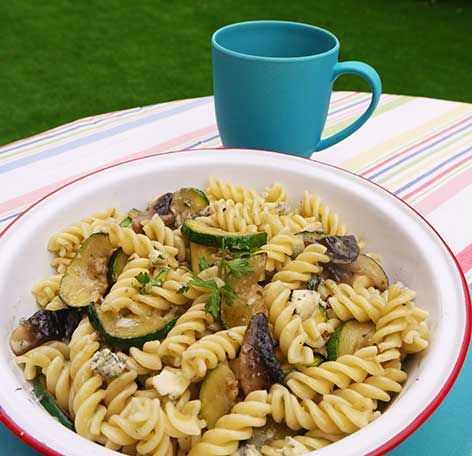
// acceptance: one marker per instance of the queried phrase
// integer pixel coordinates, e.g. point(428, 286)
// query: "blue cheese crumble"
point(107, 364)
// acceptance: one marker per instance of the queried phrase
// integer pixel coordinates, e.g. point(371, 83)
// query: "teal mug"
point(272, 84)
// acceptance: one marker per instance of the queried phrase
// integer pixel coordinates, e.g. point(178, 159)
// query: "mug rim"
point(243, 55)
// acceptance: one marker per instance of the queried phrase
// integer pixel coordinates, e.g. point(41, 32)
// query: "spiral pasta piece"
point(143, 423)
point(274, 224)
point(218, 189)
point(87, 394)
point(60, 263)
point(207, 352)
point(402, 325)
point(230, 429)
point(337, 413)
point(147, 359)
point(276, 193)
point(340, 373)
point(189, 327)
point(311, 206)
point(156, 230)
point(240, 217)
point(378, 387)
point(183, 421)
point(118, 391)
point(360, 303)
point(280, 249)
point(39, 358)
point(52, 360)
point(46, 290)
point(287, 327)
point(68, 241)
point(140, 244)
point(299, 271)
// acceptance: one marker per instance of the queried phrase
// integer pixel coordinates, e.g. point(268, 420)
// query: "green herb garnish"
point(212, 306)
point(126, 222)
point(148, 282)
point(203, 263)
point(183, 289)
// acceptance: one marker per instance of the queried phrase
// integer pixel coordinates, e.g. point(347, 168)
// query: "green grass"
point(62, 60)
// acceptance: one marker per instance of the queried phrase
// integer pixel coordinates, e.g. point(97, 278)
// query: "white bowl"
point(412, 252)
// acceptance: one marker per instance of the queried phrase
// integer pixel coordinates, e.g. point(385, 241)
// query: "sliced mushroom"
point(159, 206)
point(340, 249)
point(43, 326)
point(310, 237)
point(259, 369)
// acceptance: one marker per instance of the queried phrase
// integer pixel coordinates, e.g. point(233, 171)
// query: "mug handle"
point(373, 78)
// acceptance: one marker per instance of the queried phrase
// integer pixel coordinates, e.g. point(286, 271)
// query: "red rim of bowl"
point(382, 449)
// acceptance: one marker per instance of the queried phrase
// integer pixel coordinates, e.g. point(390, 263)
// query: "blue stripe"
point(433, 170)
point(470, 290)
point(203, 141)
point(8, 217)
point(414, 154)
point(101, 135)
point(349, 106)
point(67, 130)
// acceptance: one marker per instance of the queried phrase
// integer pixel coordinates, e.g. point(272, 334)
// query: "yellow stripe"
point(391, 104)
point(388, 147)
point(412, 168)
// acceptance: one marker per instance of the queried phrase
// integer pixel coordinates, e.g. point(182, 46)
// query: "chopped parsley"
point(126, 222)
point(148, 282)
point(203, 263)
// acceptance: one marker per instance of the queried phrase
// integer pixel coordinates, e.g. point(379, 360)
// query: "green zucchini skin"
point(333, 343)
point(80, 285)
point(198, 233)
point(126, 343)
point(351, 336)
point(116, 265)
point(48, 402)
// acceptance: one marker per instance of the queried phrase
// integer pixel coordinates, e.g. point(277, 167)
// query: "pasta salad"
point(217, 322)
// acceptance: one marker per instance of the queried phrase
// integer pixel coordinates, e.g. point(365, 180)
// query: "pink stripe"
point(59, 128)
point(404, 151)
point(437, 177)
point(336, 101)
point(445, 192)
point(465, 258)
point(356, 110)
point(163, 147)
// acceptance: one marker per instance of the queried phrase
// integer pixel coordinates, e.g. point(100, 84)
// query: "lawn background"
point(62, 60)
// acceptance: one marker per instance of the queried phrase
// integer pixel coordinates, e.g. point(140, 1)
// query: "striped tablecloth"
point(418, 148)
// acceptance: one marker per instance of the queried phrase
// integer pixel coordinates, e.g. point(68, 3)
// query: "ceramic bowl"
point(412, 253)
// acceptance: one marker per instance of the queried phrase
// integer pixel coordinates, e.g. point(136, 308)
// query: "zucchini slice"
point(200, 254)
point(348, 338)
point(248, 295)
point(126, 332)
point(200, 233)
point(268, 433)
point(365, 265)
point(188, 203)
point(48, 402)
point(217, 394)
point(85, 279)
point(116, 265)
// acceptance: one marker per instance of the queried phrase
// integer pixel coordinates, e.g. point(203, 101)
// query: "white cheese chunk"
point(170, 382)
point(306, 302)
